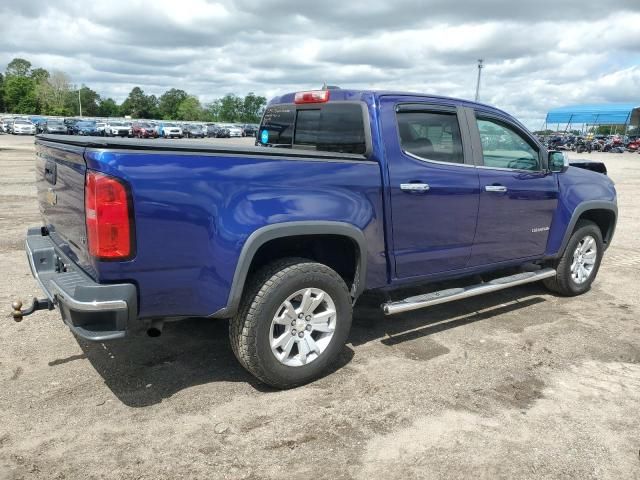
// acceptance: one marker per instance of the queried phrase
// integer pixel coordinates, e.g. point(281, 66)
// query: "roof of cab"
point(362, 95)
point(368, 96)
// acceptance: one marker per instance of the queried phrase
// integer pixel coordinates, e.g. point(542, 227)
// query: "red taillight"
point(313, 96)
point(107, 213)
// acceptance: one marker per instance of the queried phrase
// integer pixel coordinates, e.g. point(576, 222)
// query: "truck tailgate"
point(60, 176)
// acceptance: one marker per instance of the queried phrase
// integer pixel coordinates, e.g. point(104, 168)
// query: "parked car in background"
point(100, 126)
point(23, 127)
point(234, 130)
point(193, 131)
point(170, 130)
point(70, 122)
point(85, 127)
point(5, 124)
point(250, 130)
point(144, 130)
point(53, 125)
point(216, 131)
point(37, 122)
point(117, 129)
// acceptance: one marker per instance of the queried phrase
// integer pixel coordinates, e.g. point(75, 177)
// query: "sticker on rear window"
point(264, 136)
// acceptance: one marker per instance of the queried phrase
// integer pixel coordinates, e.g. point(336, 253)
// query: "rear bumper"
point(92, 311)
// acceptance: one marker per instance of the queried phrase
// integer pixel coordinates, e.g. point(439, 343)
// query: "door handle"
point(496, 188)
point(414, 187)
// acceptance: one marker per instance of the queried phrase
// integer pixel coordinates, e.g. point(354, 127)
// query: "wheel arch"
point(306, 229)
point(602, 213)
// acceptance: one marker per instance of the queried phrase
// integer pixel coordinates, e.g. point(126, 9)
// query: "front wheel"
point(293, 322)
point(579, 264)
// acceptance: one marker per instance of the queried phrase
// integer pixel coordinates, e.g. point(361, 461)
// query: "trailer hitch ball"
point(16, 305)
point(18, 313)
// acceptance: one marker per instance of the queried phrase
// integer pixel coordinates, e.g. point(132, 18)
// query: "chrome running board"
point(452, 294)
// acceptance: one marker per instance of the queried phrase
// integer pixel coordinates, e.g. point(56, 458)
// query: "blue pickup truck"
point(344, 191)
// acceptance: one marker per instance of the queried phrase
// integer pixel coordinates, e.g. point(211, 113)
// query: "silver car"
point(23, 127)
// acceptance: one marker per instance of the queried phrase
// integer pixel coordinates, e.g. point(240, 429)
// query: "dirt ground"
point(517, 384)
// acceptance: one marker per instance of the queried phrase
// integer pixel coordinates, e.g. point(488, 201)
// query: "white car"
point(171, 130)
point(23, 127)
point(117, 129)
point(101, 126)
point(234, 130)
point(5, 125)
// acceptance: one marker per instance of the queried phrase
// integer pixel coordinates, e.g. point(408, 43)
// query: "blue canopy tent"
point(595, 114)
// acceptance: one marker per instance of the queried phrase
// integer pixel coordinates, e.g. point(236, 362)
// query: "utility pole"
point(480, 66)
point(80, 101)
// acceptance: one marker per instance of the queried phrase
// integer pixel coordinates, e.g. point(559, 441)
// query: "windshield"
point(55, 123)
point(116, 124)
point(21, 122)
point(170, 125)
point(86, 124)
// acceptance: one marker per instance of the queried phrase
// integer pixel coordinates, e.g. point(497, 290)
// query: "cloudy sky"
point(538, 54)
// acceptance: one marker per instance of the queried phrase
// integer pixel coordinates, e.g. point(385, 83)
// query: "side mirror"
point(558, 161)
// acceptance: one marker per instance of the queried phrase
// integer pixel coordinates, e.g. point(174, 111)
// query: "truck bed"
point(195, 205)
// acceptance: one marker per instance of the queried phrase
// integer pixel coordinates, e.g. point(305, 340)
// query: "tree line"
point(36, 91)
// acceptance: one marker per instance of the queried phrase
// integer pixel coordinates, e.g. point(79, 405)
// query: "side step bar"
point(452, 294)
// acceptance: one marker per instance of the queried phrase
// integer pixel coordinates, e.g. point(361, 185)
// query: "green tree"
point(212, 111)
point(18, 67)
point(54, 92)
point(20, 95)
point(252, 108)
point(230, 108)
point(39, 74)
point(190, 109)
point(90, 101)
point(2, 109)
point(108, 108)
point(170, 101)
point(139, 105)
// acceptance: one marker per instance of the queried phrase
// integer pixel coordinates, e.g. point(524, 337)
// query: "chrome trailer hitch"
point(17, 312)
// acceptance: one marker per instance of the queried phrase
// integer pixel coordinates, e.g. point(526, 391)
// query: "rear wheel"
point(579, 264)
point(293, 322)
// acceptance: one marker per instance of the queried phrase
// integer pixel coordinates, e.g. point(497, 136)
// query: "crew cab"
point(345, 191)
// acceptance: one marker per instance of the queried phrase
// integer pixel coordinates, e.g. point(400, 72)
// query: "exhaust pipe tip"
point(155, 329)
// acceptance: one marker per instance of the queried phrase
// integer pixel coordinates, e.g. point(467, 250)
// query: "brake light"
point(313, 96)
point(108, 217)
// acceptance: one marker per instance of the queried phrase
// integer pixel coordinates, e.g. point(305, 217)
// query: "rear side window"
point(332, 127)
point(277, 126)
point(431, 135)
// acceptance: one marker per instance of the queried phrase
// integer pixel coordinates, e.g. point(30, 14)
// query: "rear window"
point(332, 127)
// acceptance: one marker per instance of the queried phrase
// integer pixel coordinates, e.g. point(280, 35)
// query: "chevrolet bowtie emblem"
point(52, 197)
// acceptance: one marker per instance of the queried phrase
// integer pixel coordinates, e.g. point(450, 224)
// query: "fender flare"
point(290, 229)
point(585, 207)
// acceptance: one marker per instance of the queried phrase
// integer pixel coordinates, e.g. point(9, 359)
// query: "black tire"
point(563, 283)
point(249, 330)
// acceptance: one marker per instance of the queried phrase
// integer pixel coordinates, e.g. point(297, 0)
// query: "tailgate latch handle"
point(50, 171)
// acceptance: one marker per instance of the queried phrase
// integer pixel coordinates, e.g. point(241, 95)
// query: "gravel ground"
point(516, 384)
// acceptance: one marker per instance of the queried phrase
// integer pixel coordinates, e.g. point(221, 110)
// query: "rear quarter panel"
point(193, 213)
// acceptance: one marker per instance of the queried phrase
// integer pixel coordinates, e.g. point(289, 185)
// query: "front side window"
point(431, 135)
point(503, 147)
